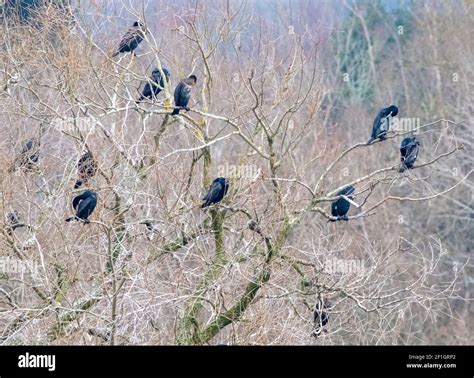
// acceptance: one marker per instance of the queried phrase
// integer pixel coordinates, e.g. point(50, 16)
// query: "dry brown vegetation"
point(284, 104)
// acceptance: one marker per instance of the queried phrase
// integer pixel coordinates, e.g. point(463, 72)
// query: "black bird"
point(409, 152)
point(152, 229)
point(150, 226)
point(382, 123)
point(321, 317)
point(340, 207)
point(217, 191)
point(154, 86)
point(182, 93)
point(84, 204)
point(86, 169)
point(29, 155)
point(131, 38)
point(13, 222)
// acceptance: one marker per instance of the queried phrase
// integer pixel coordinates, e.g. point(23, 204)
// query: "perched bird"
point(86, 169)
point(84, 204)
point(409, 152)
point(340, 207)
point(182, 93)
point(131, 38)
point(28, 157)
point(321, 317)
point(217, 191)
point(154, 86)
point(151, 229)
point(13, 222)
point(382, 123)
point(150, 226)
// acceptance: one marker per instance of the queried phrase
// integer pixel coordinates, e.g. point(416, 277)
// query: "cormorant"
point(28, 157)
point(131, 38)
point(86, 169)
point(340, 207)
point(382, 123)
point(149, 226)
point(154, 86)
point(217, 191)
point(84, 204)
point(321, 317)
point(13, 221)
point(409, 152)
point(182, 93)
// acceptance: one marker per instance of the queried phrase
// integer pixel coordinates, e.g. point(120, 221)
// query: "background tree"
point(272, 111)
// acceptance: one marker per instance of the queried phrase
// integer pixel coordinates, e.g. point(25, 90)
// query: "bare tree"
point(152, 267)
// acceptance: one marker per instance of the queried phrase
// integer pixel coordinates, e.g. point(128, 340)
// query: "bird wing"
point(403, 151)
point(13, 218)
point(77, 200)
point(182, 94)
point(216, 187)
point(86, 207)
point(86, 166)
point(375, 127)
point(379, 124)
point(130, 36)
point(27, 146)
point(146, 90)
point(157, 80)
point(405, 146)
point(384, 124)
point(412, 152)
point(177, 93)
point(154, 85)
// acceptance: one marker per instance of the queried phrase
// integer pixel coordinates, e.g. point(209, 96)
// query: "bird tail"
point(140, 99)
point(370, 140)
point(115, 54)
point(78, 184)
point(70, 219)
point(204, 205)
point(175, 112)
point(403, 166)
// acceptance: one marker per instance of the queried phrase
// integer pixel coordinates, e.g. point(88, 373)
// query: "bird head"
point(86, 154)
point(139, 25)
point(393, 110)
point(28, 145)
point(347, 192)
point(192, 79)
point(13, 216)
point(156, 71)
